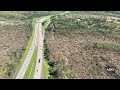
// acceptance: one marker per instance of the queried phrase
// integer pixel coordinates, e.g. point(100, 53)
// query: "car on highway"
point(39, 61)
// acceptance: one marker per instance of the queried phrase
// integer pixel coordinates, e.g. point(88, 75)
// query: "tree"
point(51, 63)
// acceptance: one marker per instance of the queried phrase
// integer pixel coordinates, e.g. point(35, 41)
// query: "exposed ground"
point(87, 49)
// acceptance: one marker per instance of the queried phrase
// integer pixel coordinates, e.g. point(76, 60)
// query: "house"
point(78, 19)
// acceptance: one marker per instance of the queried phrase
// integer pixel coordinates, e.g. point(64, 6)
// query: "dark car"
point(39, 61)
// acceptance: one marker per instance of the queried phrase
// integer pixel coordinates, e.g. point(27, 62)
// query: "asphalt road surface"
point(38, 66)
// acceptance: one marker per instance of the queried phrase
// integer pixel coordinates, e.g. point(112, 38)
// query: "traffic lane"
point(37, 73)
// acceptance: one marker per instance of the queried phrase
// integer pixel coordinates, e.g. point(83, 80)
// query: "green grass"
point(46, 24)
point(35, 19)
point(45, 66)
point(45, 69)
point(31, 68)
point(26, 51)
point(8, 15)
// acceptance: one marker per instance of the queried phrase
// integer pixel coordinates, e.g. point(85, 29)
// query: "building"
point(78, 19)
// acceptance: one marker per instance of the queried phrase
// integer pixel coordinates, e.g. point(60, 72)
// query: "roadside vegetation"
point(45, 67)
point(83, 46)
point(45, 24)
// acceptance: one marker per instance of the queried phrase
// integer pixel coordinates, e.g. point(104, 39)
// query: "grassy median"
point(31, 68)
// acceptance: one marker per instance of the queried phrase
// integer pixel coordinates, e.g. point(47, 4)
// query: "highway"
point(39, 60)
point(37, 37)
